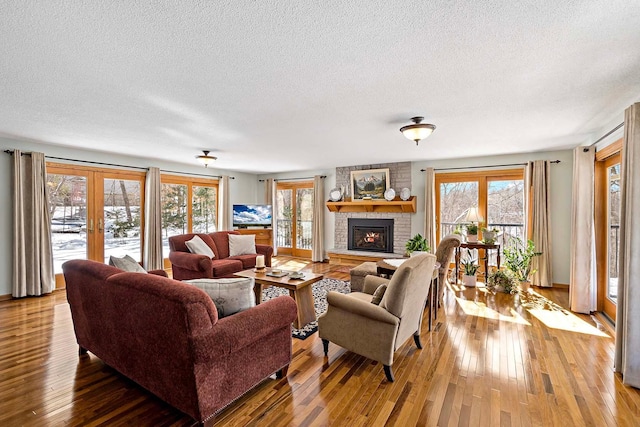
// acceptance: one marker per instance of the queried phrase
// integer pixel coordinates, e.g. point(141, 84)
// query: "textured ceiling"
point(272, 86)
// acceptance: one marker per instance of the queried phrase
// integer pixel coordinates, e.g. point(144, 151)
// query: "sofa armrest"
point(189, 261)
point(371, 283)
point(360, 308)
point(267, 251)
point(158, 273)
point(242, 329)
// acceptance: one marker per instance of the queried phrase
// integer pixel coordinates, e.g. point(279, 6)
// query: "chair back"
point(407, 293)
point(444, 255)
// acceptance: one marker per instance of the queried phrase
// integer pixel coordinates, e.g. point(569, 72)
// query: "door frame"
point(605, 158)
point(294, 186)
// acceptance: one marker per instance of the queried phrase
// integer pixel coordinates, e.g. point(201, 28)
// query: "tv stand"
point(264, 236)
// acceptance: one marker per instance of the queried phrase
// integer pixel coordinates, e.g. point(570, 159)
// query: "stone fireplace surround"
point(399, 177)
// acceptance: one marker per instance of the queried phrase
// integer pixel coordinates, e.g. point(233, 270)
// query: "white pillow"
point(229, 295)
point(240, 244)
point(126, 263)
point(198, 246)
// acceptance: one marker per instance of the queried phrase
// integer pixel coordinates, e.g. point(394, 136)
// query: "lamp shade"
point(206, 159)
point(473, 215)
point(417, 131)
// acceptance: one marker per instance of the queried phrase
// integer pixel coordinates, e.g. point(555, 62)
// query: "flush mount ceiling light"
point(418, 130)
point(205, 158)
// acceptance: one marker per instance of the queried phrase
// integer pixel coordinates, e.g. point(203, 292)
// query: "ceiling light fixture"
point(205, 158)
point(418, 130)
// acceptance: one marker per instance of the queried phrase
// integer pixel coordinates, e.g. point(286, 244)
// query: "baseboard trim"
point(6, 297)
point(560, 285)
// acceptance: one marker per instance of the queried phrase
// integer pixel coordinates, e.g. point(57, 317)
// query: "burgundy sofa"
point(188, 266)
point(166, 336)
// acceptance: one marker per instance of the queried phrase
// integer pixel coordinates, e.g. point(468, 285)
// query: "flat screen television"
point(251, 216)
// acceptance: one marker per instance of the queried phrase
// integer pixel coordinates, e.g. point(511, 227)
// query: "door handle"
point(100, 227)
point(91, 225)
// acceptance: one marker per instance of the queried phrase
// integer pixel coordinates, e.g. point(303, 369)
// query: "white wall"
point(243, 188)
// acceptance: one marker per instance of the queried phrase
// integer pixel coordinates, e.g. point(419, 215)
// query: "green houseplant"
point(472, 232)
point(502, 281)
point(417, 244)
point(518, 258)
point(469, 268)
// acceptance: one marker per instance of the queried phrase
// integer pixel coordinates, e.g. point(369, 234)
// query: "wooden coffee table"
point(299, 289)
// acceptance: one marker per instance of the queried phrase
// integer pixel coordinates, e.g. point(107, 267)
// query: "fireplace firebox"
point(366, 234)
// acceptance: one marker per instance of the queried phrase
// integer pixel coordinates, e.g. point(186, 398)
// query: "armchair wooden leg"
point(282, 372)
point(388, 373)
point(325, 345)
point(416, 338)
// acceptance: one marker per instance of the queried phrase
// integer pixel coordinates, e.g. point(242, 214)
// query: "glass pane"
point(506, 209)
point(68, 208)
point(304, 217)
point(284, 216)
point(455, 199)
point(122, 233)
point(614, 230)
point(174, 212)
point(204, 209)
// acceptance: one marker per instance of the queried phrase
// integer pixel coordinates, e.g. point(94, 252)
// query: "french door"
point(95, 213)
point(294, 218)
point(607, 208)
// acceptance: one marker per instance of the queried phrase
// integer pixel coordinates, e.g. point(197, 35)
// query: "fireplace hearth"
point(374, 235)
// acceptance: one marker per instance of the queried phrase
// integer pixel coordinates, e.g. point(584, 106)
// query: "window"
point(189, 205)
point(95, 213)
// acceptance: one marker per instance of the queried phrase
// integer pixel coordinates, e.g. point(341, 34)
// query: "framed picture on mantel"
point(369, 184)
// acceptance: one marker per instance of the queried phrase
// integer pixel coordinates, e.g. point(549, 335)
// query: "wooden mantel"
point(396, 205)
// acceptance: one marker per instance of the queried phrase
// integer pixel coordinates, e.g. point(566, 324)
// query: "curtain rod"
point(605, 135)
point(121, 166)
point(486, 166)
point(293, 179)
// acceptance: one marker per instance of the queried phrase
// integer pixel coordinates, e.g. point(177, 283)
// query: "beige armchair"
point(444, 255)
point(376, 331)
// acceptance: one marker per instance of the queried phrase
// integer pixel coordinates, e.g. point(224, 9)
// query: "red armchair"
point(188, 266)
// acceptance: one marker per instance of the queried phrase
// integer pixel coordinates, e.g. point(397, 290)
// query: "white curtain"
point(271, 192)
point(32, 252)
point(317, 246)
point(223, 204)
point(152, 259)
point(430, 208)
point(537, 184)
point(583, 283)
point(627, 357)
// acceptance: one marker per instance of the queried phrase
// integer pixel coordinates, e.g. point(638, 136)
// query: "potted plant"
point(470, 268)
point(472, 232)
point(489, 235)
point(518, 261)
point(417, 244)
point(502, 281)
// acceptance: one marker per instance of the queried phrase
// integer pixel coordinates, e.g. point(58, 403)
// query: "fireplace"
point(375, 235)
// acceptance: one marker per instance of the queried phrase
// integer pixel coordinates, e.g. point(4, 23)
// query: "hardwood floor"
point(490, 360)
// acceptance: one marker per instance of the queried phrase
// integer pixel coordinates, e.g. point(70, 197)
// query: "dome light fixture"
point(206, 159)
point(418, 130)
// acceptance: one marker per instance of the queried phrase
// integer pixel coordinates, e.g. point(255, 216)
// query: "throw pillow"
point(242, 244)
point(230, 296)
point(126, 263)
point(198, 246)
point(378, 294)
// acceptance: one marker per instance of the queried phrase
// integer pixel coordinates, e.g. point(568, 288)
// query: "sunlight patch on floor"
point(565, 321)
point(476, 308)
point(293, 265)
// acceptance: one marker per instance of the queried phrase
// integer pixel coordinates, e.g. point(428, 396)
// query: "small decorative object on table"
point(335, 195)
point(260, 262)
point(472, 232)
